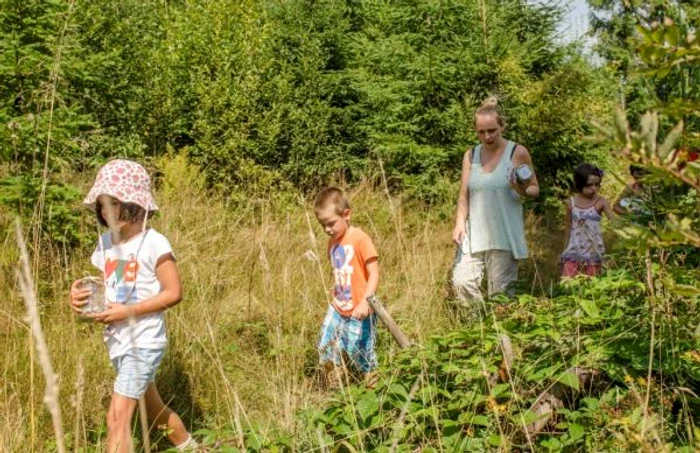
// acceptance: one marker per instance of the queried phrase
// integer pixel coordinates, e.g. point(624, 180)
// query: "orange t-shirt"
point(349, 258)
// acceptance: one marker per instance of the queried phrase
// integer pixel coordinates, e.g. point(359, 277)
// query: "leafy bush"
point(60, 219)
point(451, 398)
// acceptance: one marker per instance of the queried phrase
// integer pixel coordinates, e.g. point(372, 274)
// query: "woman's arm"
point(170, 295)
point(462, 210)
point(529, 188)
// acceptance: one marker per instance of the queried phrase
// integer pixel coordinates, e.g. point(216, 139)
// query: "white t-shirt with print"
point(129, 271)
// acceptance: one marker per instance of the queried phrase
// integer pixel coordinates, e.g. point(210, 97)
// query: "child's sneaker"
point(189, 445)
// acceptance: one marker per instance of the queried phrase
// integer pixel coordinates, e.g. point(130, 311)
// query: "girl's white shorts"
point(136, 370)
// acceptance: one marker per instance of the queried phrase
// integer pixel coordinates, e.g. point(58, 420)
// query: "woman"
point(497, 175)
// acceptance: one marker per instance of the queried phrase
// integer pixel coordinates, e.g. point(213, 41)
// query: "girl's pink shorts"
point(574, 268)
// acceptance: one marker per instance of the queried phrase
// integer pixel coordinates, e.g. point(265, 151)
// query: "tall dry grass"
point(242, 343)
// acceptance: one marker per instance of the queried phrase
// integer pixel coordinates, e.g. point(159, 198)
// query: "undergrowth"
point(588, 346)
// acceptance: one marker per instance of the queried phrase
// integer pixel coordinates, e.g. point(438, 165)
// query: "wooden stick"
point(389, 322)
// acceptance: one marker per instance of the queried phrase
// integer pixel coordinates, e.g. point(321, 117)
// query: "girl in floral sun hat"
point(141, 281)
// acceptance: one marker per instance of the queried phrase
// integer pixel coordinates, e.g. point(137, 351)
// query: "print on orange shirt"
point(341, 258)
point(349, 259)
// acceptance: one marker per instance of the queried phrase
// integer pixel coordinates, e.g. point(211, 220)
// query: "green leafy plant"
point(588, 347)
point(61, 220)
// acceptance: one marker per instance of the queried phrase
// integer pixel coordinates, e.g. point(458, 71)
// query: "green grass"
point(242, 342)
point(242, 360)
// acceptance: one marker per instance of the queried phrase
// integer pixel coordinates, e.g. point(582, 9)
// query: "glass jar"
point(96, 299)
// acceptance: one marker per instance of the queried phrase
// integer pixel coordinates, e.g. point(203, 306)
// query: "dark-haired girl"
point(584, 251)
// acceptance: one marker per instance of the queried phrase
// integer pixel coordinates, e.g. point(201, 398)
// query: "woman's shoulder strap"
point(511, 146)
point(475, 150)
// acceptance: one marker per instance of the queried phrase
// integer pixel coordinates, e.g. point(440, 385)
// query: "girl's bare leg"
point(160, 415)
point(121, 409)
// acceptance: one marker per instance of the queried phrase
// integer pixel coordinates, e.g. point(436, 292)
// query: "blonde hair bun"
point(490, 106)
point(490, 102)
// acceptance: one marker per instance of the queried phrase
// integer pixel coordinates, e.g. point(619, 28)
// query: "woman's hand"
point(113, 313)
point(458, 233)
point(517, 187)
point(527, 188)
point(78, 296)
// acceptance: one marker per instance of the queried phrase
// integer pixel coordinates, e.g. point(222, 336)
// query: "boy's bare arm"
point(363, 309)
point(372, 276)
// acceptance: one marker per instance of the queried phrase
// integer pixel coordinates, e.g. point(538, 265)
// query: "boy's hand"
point(362, 310)
point(78, 297)
point(113, 313)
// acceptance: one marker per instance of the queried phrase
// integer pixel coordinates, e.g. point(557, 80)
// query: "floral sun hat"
point(124, 180)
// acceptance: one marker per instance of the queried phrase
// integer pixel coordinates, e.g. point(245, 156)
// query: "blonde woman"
point(497, 175)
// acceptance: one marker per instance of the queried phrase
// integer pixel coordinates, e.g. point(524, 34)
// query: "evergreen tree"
point(266, 94)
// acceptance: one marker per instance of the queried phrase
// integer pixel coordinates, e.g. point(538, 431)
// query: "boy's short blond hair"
point(334, 196)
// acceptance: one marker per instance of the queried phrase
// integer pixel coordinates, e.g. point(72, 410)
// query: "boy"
point(349, 326)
